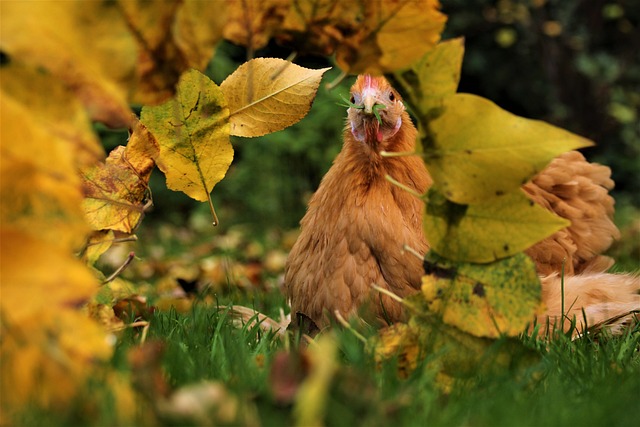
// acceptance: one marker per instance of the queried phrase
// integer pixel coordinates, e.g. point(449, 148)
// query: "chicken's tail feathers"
point(590, 302)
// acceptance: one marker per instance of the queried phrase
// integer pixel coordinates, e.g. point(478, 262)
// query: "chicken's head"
point(375, 114)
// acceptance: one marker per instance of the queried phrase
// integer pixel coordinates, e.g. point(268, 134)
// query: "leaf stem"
point(337, 81)
point(213, 211)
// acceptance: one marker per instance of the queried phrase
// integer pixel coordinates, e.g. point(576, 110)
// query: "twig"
point(120, 269)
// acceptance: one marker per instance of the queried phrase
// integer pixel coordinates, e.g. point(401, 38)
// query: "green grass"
point(582, 382)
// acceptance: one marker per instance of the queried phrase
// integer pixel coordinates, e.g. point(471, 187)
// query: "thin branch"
point(120, 269)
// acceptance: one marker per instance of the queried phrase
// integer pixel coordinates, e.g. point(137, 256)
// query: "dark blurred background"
point(574, 64)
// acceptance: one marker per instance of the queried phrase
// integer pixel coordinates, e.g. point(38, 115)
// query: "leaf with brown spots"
point(484, 300)
point(117, 191)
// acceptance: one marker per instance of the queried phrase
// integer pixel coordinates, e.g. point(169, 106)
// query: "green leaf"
point(484, 300)
point(485, 232)
point(476, 151)
point(192, 130)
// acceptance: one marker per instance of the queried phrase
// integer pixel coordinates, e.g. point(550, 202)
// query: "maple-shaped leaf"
point(117, 191)
point(269, 94)
point(484, 300)
point(192, 130)
point(393, 35)
point(49, 347)
point(485, 232)
point(476, 151)
point(40, 191)
point(251, 23)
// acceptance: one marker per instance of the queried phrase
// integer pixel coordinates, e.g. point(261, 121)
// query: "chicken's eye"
point(352, 99)
point(392, 97)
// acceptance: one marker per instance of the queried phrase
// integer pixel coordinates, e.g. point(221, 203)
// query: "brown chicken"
point(358, 223)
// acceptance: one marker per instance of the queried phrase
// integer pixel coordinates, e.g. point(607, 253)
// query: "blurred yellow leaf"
point(393, 35)
point(399, 340)
point(97, 243)
point(85, 44)
point(320, 26)
point(49, 347)
point(115, 52)
point(53, 106)
point(251, 23)
point(172, 37)
point(268, 94)
point(40, 192)
point(117, 191)
point(192, 130)
point(485, 232)
point(477, 151)
point(484, 300)
point(311, 400)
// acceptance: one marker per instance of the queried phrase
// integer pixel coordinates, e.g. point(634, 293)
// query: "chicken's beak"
point(369, 99)
point(369, 102)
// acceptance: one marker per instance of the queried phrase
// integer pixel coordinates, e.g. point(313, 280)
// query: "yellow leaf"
point(438, 73)
point(192, 130)
point(311, 399)
point(475, 151)
point(485, 232)
point(251, 23)
point(172, 37)
point(40, 192)
point(49, 347)
point(112, 53)
point(399, 340)
point(268, 94)
point(86, 44)
point(53, 106)
point(97, 243)
point(393, 35)
point(117, 191)
point(484, 300)
point(320, 26)
point(197, 29)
